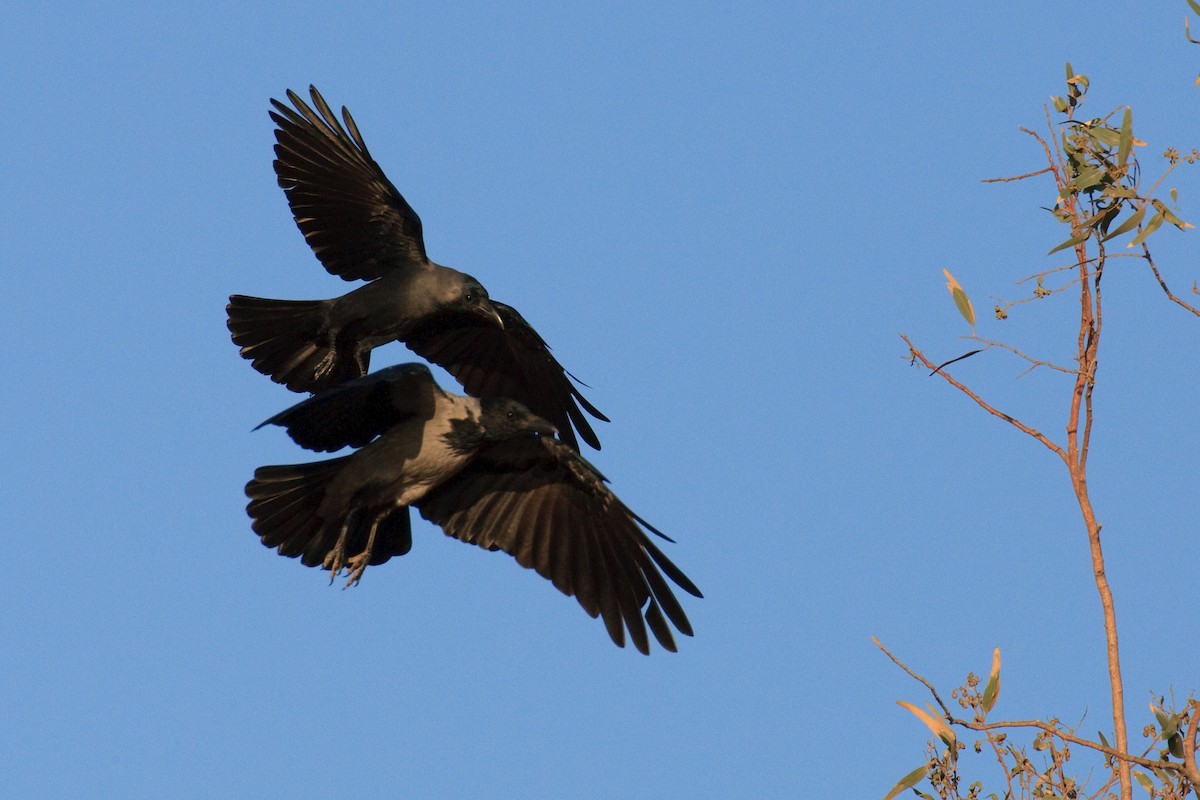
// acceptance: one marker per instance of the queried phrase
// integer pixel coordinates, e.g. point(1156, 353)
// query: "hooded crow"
point(487, 471)
point(361, 228)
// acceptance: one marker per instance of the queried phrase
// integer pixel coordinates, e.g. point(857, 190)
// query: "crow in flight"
point(361, 228)
point(487, 471)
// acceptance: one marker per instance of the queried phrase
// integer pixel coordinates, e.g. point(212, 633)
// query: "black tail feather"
point(285, 502)
point(291, 341)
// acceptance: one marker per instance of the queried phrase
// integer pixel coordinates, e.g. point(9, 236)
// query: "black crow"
point(361, 228)
point(487, 471)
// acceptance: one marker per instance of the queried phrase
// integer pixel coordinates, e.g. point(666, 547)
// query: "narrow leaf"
point(1145, 781)
point(1074, 240)
point(1100, 216)
point(1195, 6)
point(1168, 724)
point(1119, 191)
point(1154, 224)
point(1175, 745)
point(1129, 224)
point(1105, 136)
point(1176, 221)
point(1163, 776)
point(960, 298)
point(1126, 137)
point(992, 690)
point(907, 782)
point(938, 368)
point(1088, 178)
point(933, 722)
point(1159, 714)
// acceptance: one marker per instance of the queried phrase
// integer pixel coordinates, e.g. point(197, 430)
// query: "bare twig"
point(1163, 283)
point(1032, 361)
point(915, 676)
point(1021, 426)
point(1034, 174)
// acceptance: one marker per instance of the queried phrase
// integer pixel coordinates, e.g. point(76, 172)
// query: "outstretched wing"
point(355, 412)
point(514, 362)
point(539, 501)
point(353, 217)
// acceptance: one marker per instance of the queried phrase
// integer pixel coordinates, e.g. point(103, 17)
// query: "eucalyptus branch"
point(1099, 198)
point(1189, 747)
point(1158, 276)
point(914, 676)
point(1021, 426)
point(1094, 343)
point(1038, 724)
point(995, 743)
point(1033, 174)
point(985, 727)
point(1040, 292)
point(1032, 361)
point(1040, 275)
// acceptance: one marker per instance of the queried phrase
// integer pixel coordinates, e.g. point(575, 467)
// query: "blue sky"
point(720, 218)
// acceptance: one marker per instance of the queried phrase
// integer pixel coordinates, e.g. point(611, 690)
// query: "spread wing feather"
point(356, 221)
point(514, 362)
point(539, 501)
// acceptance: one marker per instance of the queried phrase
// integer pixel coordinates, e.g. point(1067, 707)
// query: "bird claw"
point(335, 562)
point(357, 565)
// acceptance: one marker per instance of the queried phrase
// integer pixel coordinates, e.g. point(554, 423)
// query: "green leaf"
point(1195, 6)
point(1105, 136)
point(1074, 240)
point(1126, 137)
point(1175, 745)
point(1171, 218)
point(1103, 741)
point(992, 690)
point(907, 782)
point(1087, 178)
point(1096, 218)
point(1129, 224)
point(1060, 105)
point(1168, 724)
point(1154, 224)
point(1070, 72)
point(1145, 781)
point(1116, 190)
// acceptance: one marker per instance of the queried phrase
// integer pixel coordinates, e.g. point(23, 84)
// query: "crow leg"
point(335, 559)
point(359, 562)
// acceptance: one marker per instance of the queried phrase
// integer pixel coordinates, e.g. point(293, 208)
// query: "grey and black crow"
point(361, 228)
point(487, 471)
